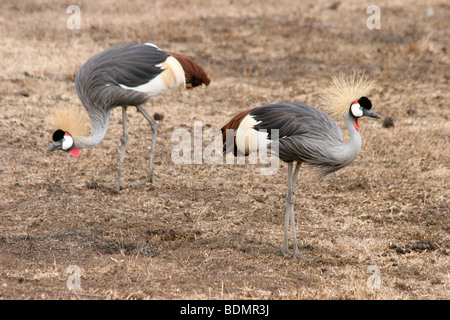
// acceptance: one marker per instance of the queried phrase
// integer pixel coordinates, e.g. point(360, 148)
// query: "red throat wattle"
point(74, 152)
point(356, 124)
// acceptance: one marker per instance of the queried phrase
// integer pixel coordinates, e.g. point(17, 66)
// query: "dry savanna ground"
point(210, 231)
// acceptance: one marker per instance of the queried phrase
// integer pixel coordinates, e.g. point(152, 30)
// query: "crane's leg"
point(285, 247)
point(289, 217)
point(294, 234)
point(123, 141)
point(154, 127)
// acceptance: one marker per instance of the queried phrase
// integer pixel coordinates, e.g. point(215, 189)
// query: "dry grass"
point(209, 231)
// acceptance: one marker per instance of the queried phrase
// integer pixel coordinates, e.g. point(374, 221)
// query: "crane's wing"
point(129, 64)
point(296, 119)
point(306, 134)
point(103, 78)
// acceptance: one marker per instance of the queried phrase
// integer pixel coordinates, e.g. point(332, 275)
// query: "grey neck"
point(347, 152)
point(353, 147)
point(99, 125)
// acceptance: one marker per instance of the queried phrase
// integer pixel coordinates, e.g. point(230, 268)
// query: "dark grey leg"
point(291, 201)
point(154, 126)
point(289, 197)
point(123, 141)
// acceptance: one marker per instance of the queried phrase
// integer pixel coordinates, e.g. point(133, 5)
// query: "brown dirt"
point(209, 231)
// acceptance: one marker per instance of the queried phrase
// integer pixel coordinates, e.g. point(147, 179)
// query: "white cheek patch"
point(356, 110)
point(67, 142)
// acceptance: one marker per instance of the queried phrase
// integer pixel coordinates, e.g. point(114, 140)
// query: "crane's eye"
point(67, 142)
point(356, 109)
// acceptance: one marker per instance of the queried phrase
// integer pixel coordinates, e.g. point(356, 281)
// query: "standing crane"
point(121, 76)
point(306, 134)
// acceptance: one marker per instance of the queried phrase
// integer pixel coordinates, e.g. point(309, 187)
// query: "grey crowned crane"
point(121, 76)
point(305, 134)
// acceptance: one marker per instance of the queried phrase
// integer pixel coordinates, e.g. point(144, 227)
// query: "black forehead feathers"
point(58, 135)
point(365, 103)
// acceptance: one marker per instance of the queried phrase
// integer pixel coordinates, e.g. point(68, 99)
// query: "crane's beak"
point(370, 113)
point(57, 145)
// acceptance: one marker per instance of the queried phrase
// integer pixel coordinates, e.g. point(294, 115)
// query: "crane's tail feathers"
point(343, 90)
point(195, 75)
point(72, 119)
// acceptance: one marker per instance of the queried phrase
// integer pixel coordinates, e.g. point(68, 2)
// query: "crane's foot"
point(302, 255)
point(140, 183)
point(296, 253)
point(149, 179)
point(283, 250)
point(118, 187)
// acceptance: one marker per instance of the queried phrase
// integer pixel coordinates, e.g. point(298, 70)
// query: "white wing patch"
point(152, 45)
point(152, 88)
point(171, 76)
point(248, 139)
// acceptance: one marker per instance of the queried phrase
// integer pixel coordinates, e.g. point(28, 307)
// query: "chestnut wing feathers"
point(195, 75)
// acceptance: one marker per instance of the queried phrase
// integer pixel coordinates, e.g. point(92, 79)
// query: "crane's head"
point(63, 141)
point(70, 123)
point(361, 108)
point(345, 90)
